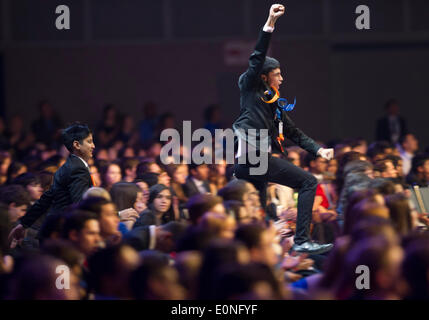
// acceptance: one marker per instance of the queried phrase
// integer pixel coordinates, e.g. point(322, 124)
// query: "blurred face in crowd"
point(221, 168)
point(88, 239)
point(399, 168)
point(131, 173)
point(164, 179)
point(35, 190)
point(252, 195)
point(113, 174)
point(424, 170)
point(129, 153)
point(181, 174)
point(22, 170)
point(103, 155)
point(145, 190)
point(410, 143)
point(388, 151)
point(201, 172)
point(16, 212)
point(163, 201)
point(229, 227)
point(264, 252)
point(166, 286)
point(390, 171)
point(387, 278)
point(5, 165)
point(332, 166)
point(109, 220)
point(128, 261)
point(155, 150)
point(85, 149)
point(361, 148)
point(244, 217)
point(294, 158)
point(140, 203)
point(319, 165)
point(218, 208)
point(95, 175)
point(155, 168)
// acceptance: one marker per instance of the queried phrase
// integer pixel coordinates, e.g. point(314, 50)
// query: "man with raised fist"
point(262, 110)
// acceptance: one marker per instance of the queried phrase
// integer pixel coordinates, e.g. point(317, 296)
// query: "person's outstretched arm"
point(36, 210)
point(256, 61)
point(305, 142)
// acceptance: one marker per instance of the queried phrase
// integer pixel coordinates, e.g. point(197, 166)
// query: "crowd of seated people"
point(149, 230)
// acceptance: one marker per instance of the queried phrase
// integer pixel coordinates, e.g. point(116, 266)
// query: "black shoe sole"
point(320, 251)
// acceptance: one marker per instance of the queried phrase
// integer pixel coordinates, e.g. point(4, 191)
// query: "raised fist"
point(276, 11)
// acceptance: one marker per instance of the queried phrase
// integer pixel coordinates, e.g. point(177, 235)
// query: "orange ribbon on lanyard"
point(93, 181)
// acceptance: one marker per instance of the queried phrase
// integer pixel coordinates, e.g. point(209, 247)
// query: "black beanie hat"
point(270, 64)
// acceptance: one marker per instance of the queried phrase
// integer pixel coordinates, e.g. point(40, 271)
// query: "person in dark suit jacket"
point(263, 125)
point(70, 181)
point(392, 126)
point(197, 181)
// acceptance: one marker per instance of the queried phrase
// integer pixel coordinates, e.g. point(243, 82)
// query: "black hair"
point(238, 281)
point(308, 158)
point(14, 194)
point(104, 263)
point(383, 186)
point(415, 269)
point(141, 277)
point(194, 165)
point(219, 253)
point(233, 190)
point(378, 147)
point(75, 132)
point(250, 235)
point(76, 220)
point(269, 65)
point(128, 163)
point(124, 194)
point(52, 224)
point(13, 169)
point(418, 161)
point(26, 179)
point(151, 178)
point(154, 191)
point(394, 158)
point(64, 250)
point(199, 204)
point(403, 137)
point(93, 204)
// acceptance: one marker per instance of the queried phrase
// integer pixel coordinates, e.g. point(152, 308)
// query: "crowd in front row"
point(147, 230)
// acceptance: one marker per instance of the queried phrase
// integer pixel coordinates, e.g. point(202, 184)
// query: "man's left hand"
point(327, 154)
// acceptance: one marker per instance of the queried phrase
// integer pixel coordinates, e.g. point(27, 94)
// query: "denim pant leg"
point(285, 173)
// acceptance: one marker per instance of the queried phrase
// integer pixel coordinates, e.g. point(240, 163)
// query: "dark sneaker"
point(312, 247)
